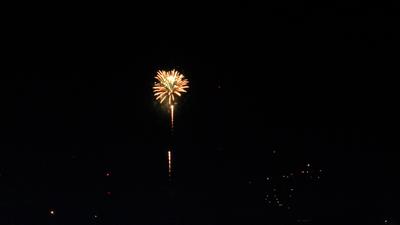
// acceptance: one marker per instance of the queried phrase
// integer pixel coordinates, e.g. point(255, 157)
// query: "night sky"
point(289, 118)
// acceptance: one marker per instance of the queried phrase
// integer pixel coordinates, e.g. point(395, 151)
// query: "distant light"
point(52, 212)
point(308, 165)
point(302, 171)
point(108, 193)
point(108, 174)
point(386, 221)
point(273, 151)
point(267, 178)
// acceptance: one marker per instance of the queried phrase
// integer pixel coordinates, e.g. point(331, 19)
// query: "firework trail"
point(169, 164)
point(170, 85)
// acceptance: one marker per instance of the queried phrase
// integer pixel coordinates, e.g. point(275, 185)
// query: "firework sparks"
point(172, 116)
point(169, 85)
point(169, 164)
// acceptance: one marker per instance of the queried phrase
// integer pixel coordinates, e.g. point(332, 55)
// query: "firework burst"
point(170, 85)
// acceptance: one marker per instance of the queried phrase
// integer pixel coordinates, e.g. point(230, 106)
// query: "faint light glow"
point(108, 193)
point(281, 192)
point(169, 164)
point(52, 212)
point(108, 174)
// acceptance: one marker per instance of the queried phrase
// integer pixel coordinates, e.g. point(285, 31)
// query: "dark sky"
point(314, 82)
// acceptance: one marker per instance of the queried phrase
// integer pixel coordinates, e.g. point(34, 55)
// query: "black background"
point(314, 81)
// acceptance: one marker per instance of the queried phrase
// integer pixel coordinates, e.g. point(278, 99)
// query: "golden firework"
point(169, 85)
